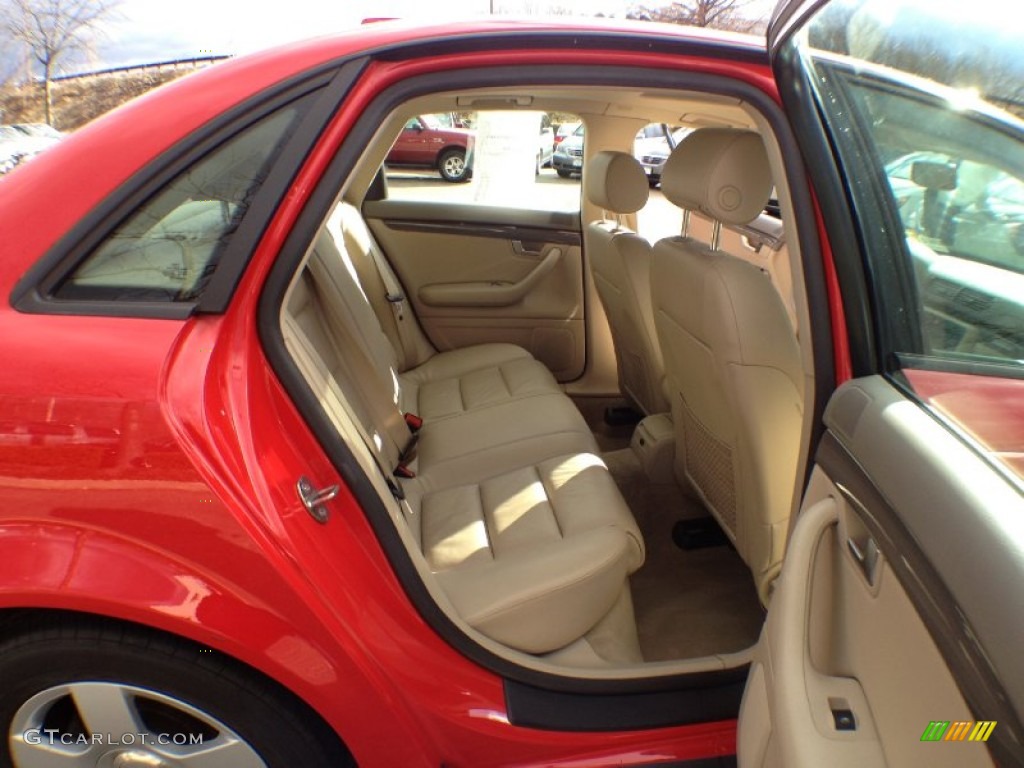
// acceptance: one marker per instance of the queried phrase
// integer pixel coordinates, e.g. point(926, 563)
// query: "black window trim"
point(33, 293)
point(798, 96)
point(294, 249)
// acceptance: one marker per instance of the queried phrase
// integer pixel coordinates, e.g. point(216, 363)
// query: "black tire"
point(59, 677)
point(563, 173)
point(451, 164)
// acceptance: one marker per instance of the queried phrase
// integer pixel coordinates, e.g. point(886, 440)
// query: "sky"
point(152, 30)
point(159, 30)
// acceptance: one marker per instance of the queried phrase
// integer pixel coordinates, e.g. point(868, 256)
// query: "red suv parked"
point(426, 143)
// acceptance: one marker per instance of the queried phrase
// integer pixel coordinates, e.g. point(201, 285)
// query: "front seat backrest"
point(620, 261)
point(732, 362)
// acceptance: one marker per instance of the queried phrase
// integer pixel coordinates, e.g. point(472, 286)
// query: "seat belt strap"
point(307, 357)
point(365, 376)
point(397, 301)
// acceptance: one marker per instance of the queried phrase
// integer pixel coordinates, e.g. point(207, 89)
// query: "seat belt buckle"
point(414, 422)
point(397, 302)
point(404, 472)
point(396, 489)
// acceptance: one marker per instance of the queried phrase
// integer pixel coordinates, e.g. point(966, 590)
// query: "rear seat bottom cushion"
point(535, 557)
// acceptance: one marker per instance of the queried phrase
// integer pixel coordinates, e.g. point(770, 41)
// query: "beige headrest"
point(721, 172)
point(616, 182)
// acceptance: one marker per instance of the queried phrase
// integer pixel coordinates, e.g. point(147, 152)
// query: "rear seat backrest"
point(360, 389)
point(348, 229)
point(353, 303)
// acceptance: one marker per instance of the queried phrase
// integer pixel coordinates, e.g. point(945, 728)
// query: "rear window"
point(168, 249)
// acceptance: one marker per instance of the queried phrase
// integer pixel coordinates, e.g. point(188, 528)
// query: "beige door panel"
point(470, 289)
point(842, 634)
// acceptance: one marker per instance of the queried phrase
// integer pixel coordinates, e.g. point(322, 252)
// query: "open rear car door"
point(894, 634)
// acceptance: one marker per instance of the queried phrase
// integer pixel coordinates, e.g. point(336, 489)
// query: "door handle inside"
point(532, 249)
point(865, 553)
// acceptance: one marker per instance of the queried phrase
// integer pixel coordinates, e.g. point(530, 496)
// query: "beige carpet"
point(688, 603)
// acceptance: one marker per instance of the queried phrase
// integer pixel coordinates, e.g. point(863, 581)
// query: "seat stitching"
point(497, 404)
point(550, 496)
point(488, 526)
point(508, 444)
point(504, 381)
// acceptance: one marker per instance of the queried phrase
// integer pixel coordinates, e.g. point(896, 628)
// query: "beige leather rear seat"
point(511, 508)
point(433, 384)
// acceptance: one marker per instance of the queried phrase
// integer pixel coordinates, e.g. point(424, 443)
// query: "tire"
point(153, 699)
point(563, 173)
point(452, 165)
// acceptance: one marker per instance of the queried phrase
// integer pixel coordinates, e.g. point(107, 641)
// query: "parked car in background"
point(21, 141)
point(426, 143)
point(564, 131)
point(12, 148)
point(652, 146)
point(567, 159)
point(545, 145)
point(40, 131)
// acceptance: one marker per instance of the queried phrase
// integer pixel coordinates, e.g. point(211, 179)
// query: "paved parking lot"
point(550, 192)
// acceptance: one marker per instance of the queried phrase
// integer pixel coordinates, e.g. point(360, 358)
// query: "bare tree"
point(51, 30)
point(721, 14)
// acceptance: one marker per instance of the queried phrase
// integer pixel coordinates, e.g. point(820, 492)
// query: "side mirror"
point(934, 175)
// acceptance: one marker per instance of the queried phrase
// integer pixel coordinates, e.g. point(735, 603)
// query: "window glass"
point(170, 247)
point(520, 159)
point(924, 104)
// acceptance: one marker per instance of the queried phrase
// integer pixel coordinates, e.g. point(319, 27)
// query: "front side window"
point(169, 248)
point(923, 103)
point(925, 107)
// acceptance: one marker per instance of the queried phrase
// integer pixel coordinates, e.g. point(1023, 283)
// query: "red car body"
point(147, 466)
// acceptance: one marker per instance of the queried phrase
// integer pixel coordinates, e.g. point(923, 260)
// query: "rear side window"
point(167, 250)
point(514, 159)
